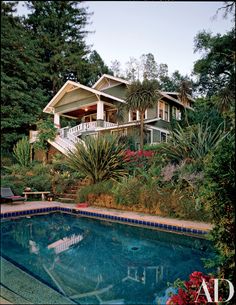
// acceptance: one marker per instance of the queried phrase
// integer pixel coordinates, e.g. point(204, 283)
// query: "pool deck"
point(91, 210)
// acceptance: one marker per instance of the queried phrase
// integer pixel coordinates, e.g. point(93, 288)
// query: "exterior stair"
point(70, 195)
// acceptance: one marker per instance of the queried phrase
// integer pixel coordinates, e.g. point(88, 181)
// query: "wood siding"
point(117, 91)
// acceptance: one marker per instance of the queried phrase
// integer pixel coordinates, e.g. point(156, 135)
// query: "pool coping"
point(197, 229)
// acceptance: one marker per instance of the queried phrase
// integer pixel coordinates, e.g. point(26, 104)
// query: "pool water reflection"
point(98, 262)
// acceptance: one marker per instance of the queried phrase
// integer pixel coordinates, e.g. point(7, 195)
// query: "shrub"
point(22, 151)
point(127, 191)
point(188, 294)
point(218, 193)
point(192, 143)
point(136, 160)
point(104, 187)
point(98, 158)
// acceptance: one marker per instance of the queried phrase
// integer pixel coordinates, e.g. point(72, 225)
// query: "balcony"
point(77, 130)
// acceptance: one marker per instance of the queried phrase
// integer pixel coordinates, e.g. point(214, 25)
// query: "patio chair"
point(8, 196)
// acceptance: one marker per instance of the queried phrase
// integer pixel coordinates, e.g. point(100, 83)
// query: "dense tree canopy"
point(39, 53)
point(60, 29)
point(22, 95)
point(216, 69)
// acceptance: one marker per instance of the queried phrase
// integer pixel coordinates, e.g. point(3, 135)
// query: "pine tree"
point(22, 98)
point(60, 30)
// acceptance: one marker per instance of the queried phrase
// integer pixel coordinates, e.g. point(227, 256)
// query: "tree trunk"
point(141, 129)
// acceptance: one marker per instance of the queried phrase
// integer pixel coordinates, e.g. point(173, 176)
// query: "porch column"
point(57, 120)
point(100, 113)
point(138, 115)
point(130, 117)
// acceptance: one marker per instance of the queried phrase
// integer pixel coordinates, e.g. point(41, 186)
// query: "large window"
point(135, 115)
point(176, 114)
point(163, 111)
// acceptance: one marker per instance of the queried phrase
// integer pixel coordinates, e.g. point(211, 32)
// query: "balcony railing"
point(77, 130)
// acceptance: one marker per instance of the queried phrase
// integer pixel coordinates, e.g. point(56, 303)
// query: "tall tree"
point(116, 68)
point(22, 97)
point(140, 96)
point(216, 69)
point(96, 68)
point(149, 66)
point(132, 69)
point(60, 28)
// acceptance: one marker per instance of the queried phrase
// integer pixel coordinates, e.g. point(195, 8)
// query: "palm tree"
point(184, 92)
point(141, 96)
point(224, 101)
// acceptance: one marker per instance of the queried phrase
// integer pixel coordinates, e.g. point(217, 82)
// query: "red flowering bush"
point(189, 295)
point(138, 159)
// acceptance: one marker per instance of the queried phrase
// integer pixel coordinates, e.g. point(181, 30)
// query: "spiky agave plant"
point(99, 158)
point(193, 142)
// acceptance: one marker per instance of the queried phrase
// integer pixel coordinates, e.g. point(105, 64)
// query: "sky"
point(124, 29)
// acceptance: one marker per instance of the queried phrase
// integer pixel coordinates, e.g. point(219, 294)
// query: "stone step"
point(72, 191)
point(23, 288)
point(66, 199)
point(68, 195)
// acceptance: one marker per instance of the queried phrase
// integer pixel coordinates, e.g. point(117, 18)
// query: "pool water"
point(98, 262)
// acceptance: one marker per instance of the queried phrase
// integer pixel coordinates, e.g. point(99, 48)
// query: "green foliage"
point(22, 151)
point(96, 68)
point(192, 143)
point(103, 187)
point(60, 30)
point(218, 193)
point(46, 131)
point(98, 158)
point(39, 53)
point(140, 96)
point(61, 174)
point(36, 176)
point(127, 192)
point(22, 94)
point(216, 68)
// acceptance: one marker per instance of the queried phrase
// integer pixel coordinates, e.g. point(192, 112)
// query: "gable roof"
point(71, 85)
point(118, 79)
point(169, 95)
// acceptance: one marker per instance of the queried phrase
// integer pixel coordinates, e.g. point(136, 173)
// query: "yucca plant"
point(22, 151)
point(99, 158)
point(193, 142)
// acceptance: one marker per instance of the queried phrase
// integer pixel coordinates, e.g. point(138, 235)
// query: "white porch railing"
point(77, 130)
point(109, 124)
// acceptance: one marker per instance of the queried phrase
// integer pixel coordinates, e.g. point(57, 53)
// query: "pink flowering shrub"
point(189, 295)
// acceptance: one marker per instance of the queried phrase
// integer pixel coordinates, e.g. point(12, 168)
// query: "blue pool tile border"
point(162, 226)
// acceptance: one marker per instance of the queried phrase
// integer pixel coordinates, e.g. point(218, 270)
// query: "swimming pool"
point(98, 262)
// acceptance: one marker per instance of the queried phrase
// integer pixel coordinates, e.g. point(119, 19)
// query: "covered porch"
point(89, 107)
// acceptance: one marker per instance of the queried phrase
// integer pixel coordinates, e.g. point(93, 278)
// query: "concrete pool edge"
point(198, 229)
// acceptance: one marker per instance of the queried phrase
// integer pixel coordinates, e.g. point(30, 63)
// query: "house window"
point(176, 114)
point(163, 137)
point(163, 110)
point(166, 118)
point(132, 116)
point(135, 116)
point(160, 110)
